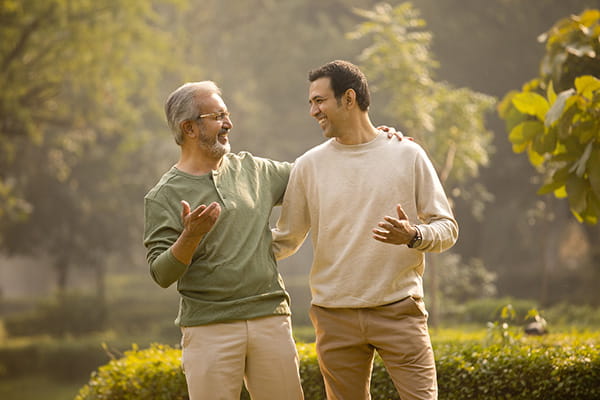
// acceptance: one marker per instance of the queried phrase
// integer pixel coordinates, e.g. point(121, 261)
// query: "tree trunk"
point(433, 305)
point(61, 266)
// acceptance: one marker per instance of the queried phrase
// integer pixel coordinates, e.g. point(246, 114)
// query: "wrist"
point(416, 240)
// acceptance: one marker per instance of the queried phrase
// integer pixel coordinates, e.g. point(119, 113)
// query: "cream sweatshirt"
point(340, 193)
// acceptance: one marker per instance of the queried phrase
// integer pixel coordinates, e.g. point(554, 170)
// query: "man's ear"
point(349, 98)
point(187, 127)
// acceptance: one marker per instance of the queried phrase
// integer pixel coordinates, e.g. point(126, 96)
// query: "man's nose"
point(227, 122)
point(314, 110)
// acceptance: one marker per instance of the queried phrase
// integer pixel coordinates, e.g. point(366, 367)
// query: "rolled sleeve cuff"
point(166, 269)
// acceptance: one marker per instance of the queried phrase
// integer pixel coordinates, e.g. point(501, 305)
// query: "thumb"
point(185, 208)
point(401, 214)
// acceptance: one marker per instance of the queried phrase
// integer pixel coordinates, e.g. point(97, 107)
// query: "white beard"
point(213, 146)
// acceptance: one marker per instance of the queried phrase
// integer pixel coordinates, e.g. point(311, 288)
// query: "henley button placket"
point(215, 179)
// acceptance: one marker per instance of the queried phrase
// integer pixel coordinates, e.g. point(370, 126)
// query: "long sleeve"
point(439, 228)
point(161, 231)
point(294, 222)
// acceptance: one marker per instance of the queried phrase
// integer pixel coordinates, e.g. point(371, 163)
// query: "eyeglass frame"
point(219, 115)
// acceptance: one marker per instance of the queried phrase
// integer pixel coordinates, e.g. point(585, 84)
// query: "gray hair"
point(183, 103)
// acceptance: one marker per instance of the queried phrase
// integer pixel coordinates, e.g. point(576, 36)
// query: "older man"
point(206, 228)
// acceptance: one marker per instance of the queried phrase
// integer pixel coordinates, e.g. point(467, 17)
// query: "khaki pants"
point(261, 352)
point(348, 337)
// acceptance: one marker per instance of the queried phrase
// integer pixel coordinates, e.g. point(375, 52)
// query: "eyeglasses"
point(217, 116)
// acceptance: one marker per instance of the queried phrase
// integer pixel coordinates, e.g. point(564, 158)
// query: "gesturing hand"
point(395, 230)
point(198, 222)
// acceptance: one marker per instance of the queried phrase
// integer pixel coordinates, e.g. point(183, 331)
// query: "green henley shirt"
point(233, 274)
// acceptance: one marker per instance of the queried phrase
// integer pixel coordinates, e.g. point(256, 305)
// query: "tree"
point(80, 94)
point(450, 122)
point(561, 132)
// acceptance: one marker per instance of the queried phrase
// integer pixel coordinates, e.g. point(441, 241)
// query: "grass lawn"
point(38, 387)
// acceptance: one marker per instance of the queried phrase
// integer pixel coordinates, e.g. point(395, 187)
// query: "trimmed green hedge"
point(65, 360)
point(465, 371)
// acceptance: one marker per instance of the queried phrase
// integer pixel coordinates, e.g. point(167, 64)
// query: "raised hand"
point(395, 230)
point(198, 222)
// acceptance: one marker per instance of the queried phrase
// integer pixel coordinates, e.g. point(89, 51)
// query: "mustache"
point(224, 130)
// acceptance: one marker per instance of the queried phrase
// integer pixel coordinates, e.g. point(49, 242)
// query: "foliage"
point(449, 121)
point(463, 280)
point(525, 371)
point(154, 373)
point(481, 311)
point(63, 360)
point(80, 90)
point(73, 314)
point(519, 372)
point(35, 387)
point(561, 131)
point(70, 314)
point(572, 49)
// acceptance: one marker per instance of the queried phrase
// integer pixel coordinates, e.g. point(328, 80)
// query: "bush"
point(153, 373)
point(65, 360)
point(70, 314)
point(485, 310)
point(532, 371)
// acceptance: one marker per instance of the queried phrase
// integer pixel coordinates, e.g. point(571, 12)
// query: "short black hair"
point(344, 75)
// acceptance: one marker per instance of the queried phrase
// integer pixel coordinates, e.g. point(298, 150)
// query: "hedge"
point(532, 372)
point(64, 360)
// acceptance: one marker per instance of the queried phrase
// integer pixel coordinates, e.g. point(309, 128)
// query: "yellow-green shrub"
point(465, 371)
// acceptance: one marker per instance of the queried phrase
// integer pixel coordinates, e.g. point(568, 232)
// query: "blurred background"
point(83, 138)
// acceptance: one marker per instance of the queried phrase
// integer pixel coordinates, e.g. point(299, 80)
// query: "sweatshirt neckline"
point(357, 147)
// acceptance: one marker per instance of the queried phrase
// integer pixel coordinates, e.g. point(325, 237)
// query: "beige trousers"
point(261, 352)
point(348, 337)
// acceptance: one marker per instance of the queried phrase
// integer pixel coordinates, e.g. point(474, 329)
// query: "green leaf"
point(593, 208)
point(561, 192)
point(586, 85)
point(535, 158)
point(580, 165)
point(593, 171)
point(586, 132)
point(544, 143)
point(550, 187)
point(576, 190)
point(519, 148)
point(526, 131)
point(532, 104)
point(555, 112)
point(550, 93)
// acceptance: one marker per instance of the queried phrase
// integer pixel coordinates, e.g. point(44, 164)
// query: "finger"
point(392, 223)
point(199, 210)
point(401, 214)
point(212, 211)
point(383, 128)
point(381, 232)
point(381, 239)
point(216, 211)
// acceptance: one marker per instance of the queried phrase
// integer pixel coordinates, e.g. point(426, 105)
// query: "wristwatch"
point(416, 240)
